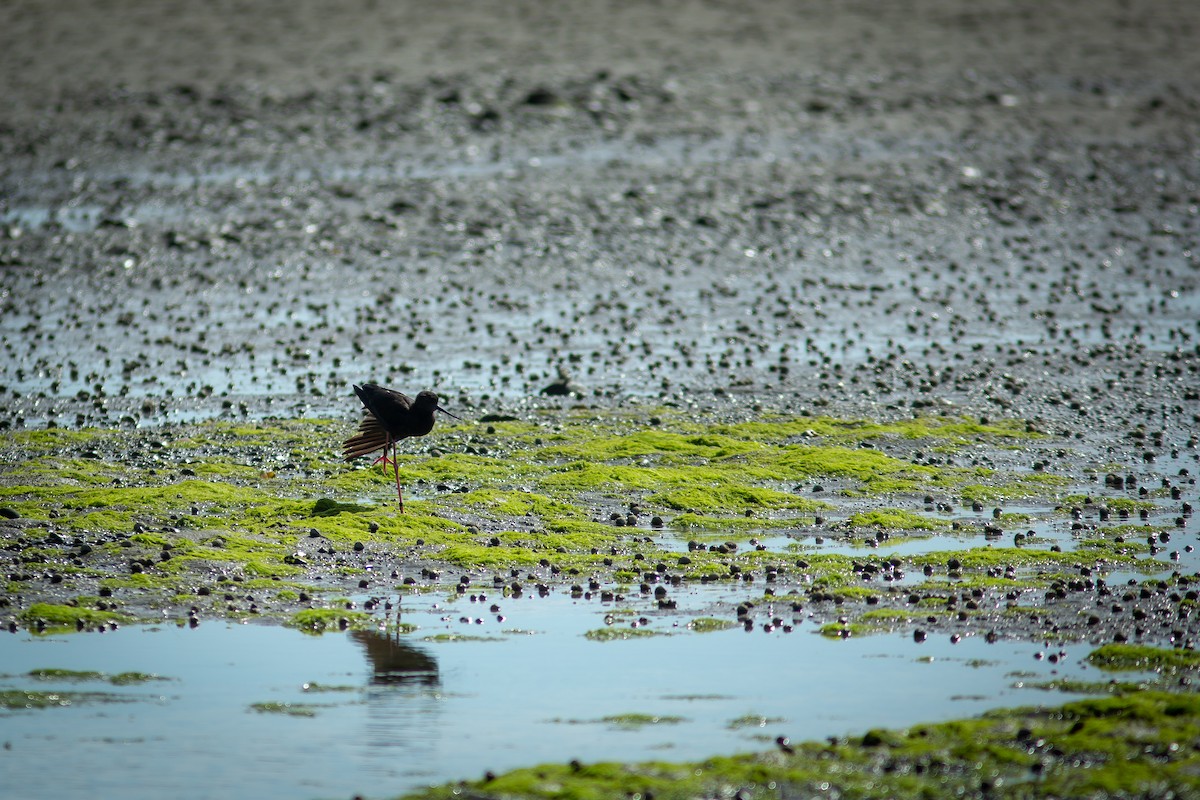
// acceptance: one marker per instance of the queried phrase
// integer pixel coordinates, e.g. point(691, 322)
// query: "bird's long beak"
point(448, 414)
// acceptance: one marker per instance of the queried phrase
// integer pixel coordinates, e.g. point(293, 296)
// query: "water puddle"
point(471, 690)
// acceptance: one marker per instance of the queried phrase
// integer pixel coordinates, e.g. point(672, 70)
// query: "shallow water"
point(415, 710)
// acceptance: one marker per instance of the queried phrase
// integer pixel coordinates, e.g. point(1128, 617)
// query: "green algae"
point(1030, 485)
point(1126, 745)
point(28, 700)
point(318, 688)
point(1067, 686)
point(753, 721)
point(889, 618)
point(319, 620)
point(634, 720)
point(120, 679)
point(1142, 658)
point(51, 674)
point(53, 618)
point(665, 447)
point(710, 624)
point(287, 709)
point(844, 630)
point(1114, 503)
point(328, 507)
point(981, 559)
point(730, 499)
point(896, 519)
point(614, 633)
point(953, 431)
point(273, 501)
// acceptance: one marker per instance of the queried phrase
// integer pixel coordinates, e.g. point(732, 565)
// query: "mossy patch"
point(119, 679)
point(53, 618)
point(641, 720)
point(149, 515)
point(710, 624)
point(328, 507)
point(27, 700)
point(287, 709)
point(753, 721)
point(459, 637)
point(896, 519)
point(844, 630)
point(1127, 745)
point(1131, 657)
point(614, 633)
point(320, 620)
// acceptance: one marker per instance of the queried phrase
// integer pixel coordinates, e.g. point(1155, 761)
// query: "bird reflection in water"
point(394, 663)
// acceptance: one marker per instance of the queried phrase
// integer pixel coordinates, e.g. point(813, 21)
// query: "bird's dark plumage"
point(389, 417)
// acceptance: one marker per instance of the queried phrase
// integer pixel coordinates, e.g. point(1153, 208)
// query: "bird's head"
point(428, 401)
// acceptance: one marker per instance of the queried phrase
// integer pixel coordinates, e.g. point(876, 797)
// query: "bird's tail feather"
point(371, 436)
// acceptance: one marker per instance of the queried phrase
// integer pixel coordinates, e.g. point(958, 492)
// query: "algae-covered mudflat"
point(671, 574)
point(845, 523)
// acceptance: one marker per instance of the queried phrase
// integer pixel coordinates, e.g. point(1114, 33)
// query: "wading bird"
point(390, 417)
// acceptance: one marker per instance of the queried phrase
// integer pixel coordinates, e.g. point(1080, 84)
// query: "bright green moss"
point(532, 494)
point(890, 617)
point(953, 430)
point(592, 476)
point(1117, 746)
point(288, 709)
point(981, 559)
point(52, 674)
point(871, 470)
point(614, 632)
point(730, 499)
point(50, 439)
point(1131, 657)
point(840, 630)
point(26, 700)
point(470, 555)
point(661, 446)
point(319, 620)
point(1113, 503)
point(896, 519)
point(710, 624)
point(57, 618)
point(1009, 487)
point(514, 503)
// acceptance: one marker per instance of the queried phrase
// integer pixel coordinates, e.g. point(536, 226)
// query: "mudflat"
point(794, 278)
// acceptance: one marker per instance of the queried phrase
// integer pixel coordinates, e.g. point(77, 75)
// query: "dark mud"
point(877, 210)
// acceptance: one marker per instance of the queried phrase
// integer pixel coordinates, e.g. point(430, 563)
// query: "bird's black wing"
point(388, 405)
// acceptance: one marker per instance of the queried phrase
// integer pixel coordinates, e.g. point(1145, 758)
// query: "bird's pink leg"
point(396, 469)
point(384, 458)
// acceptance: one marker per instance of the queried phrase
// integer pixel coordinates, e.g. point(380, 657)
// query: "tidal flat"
point(829, 373)
point(648, 524)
